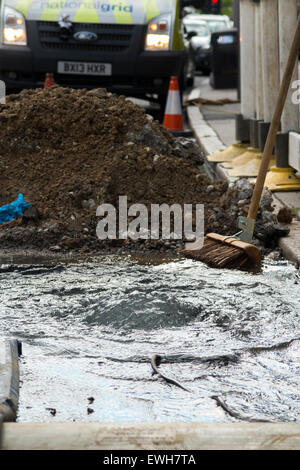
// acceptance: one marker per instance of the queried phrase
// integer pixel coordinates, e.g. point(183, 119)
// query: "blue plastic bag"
point(10, 211)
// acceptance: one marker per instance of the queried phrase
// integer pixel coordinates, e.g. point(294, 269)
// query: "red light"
point(215, 1)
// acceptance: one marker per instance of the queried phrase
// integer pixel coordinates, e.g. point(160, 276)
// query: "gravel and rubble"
point(68, 151)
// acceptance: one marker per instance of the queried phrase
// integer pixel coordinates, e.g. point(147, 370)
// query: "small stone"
point(274, 255)
point(100, 92)
point(91, 204)
point(242, 202)
point(31, 213)
point(69, 242)
point(285, 215)
point(244, 188)
point(55, 248)
point(245, 194)
point(269, 216)
point(155, 158)
point(210, 188)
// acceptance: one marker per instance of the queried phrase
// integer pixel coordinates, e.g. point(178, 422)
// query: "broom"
point(236, 252)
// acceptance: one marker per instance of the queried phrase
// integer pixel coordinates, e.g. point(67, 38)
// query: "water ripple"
point(90, 329)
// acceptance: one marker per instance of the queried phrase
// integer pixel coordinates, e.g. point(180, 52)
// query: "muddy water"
point(90, 328)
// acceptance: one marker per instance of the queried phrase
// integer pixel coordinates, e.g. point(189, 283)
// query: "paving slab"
point(290, 199)
point(225, 129)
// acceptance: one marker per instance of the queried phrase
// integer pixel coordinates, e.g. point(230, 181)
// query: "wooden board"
point(9, 379)
point(150, 436)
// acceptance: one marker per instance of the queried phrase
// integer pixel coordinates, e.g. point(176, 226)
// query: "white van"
point(128, 46)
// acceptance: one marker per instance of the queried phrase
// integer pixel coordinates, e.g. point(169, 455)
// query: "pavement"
point(214, 128)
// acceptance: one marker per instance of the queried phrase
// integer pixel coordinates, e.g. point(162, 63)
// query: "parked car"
point(198, 34)
point(216, 22)
point(199, 44)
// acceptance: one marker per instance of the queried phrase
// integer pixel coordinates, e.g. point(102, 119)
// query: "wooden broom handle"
point(270, 142)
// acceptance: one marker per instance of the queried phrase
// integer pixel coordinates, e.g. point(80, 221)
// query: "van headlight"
point(13, 27)
point(158, 34)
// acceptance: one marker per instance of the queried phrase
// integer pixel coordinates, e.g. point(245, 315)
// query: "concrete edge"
point(287, 244)
point(205, 134)
point(209, 143)
point(151, 436)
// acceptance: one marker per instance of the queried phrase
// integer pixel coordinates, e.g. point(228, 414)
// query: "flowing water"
point(89, 329)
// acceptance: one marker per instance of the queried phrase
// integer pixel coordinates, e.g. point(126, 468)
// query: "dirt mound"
point(68, 151)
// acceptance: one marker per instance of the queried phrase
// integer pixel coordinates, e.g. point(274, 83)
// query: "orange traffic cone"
point(173, 120)
point(49, 80)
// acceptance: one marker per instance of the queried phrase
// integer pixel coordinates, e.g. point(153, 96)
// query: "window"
point(216, 25)
point(200, 29)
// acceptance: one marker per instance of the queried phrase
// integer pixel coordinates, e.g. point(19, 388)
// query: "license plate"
point(84, 68)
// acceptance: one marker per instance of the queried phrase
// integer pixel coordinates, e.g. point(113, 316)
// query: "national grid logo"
point(75, 5)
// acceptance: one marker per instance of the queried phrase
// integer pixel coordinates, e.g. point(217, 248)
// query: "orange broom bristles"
point(221, 252)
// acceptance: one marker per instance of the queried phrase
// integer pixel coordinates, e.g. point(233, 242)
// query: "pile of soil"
point(68, 151)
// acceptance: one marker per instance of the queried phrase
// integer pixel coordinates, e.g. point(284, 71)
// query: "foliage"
point(227, 7)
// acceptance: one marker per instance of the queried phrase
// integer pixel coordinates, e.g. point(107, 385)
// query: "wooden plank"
point(150, 436)
point(9, 380)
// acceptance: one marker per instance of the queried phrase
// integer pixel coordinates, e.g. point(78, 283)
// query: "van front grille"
point(110, 37)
